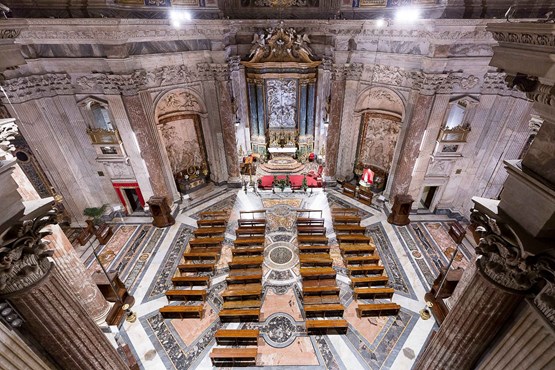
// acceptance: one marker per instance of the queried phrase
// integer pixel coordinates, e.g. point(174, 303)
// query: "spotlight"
point(407, 14)
point(380, 23)
point(178, 16)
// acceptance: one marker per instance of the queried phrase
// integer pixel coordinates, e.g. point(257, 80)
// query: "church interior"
point(318, 184)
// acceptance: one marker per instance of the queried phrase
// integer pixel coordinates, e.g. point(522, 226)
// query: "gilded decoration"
point(24, 254)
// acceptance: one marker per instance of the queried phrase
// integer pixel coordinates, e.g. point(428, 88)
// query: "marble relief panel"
point(379, 137)
point(281, 103)
point(181, 141)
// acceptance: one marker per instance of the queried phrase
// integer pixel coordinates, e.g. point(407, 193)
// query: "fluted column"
point(15, 354)
point(52, 313)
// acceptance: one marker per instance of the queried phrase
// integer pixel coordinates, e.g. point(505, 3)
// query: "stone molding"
point(24, 254)
point(533, 88)
point(211, 71)
point(38, 86)
point(127, 84)
point(506, 264)
point(9, 33)
point(528, 38)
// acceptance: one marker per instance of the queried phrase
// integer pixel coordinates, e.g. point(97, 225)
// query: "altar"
point(282, 152)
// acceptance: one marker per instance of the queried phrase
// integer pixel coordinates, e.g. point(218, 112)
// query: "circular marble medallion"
point(280, 256)
point(280, 330)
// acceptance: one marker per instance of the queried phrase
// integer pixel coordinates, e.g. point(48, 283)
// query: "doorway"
point(133, 199)
point(428, 196)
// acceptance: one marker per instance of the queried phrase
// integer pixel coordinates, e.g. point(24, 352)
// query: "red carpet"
point(265, 182)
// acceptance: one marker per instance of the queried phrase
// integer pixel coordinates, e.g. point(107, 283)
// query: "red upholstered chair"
point(317, 176)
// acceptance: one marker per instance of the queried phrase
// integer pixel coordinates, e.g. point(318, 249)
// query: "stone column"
point(239, 88)
point(302, 108)
point(253, 109)
point(421, 105)
point(228, 127)
point(15, 354)
point(310, 110)
point(503, 276)
point(147, 144)
point(260, 106)
point(52, 313)
point(332, 143)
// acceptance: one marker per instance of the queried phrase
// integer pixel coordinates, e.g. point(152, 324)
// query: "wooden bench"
point(315, 260)
point(307, 221)
point(317, 273)
point(186, 295)
point(247, 314)
point(244, 279)
point(219, 214)
point(324, 310)
point(365, 196)
point(312, 239)
point(373, 293)
point(344, 211)
point(248, 241)
point(207, 242)
point(190, 280)
point(252, 222)
point(320, 295)
point(250, 231)
point(346, 220)
point(314, 327)
point(377, 309)
point(200, 256)
point(349, 229)
point(226, 337)
point(314, 248)
point(353, 239)
point(325, 282)
point(311, 230)
point(356, 249)
point(195, 267)
point(369, 280)
point(225, 357)
point(215, 222)
point(247, 251)
point(365, 270)
point(203, 249)
point(182, 312)
point(349, 190)
point(250, 303)
point(246, 262)
point(208, 231)
point(231, 294)
point(361, 260)
point(244, 272)
point(321, 299)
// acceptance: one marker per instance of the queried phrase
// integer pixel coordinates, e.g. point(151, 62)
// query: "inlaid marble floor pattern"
point(411, 255)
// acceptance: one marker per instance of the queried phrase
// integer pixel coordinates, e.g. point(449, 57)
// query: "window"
point(456, 116)
point(101, 118)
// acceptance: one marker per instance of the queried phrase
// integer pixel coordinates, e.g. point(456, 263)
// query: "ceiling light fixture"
point(407, 14)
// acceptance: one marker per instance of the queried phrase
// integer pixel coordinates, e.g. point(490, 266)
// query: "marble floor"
point(147, 258)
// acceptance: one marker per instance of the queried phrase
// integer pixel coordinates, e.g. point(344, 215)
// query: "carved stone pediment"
point(281, 44)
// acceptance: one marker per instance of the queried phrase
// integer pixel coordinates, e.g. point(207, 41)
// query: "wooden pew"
point(365, 249)
point(250, 231)
point(231, 294)
point(306, 221)
point(206, 242)
point(252, 222)
point(186, 295)
point(246, 262)
point(365, 269)
point(311, 230)
point(349, 229)
point(214, 222)
point(324, 310)
point(225, 357)
point(349, 190)
point(346, 220)
point(317, 273)
point(247, 314)
point(365, 196)
point(208, 232)
point(244, 279)
point(250, 241)
point(250, 303)
point(202, 249)
point(369, 280)
point(344, 211)
point(362, 260)
point(196, 267)
point(227, 337)
point(244, 272)
point(200, 256)
point(315, 260)
point(216, 214)
point(325, 282)
point(320, 295)
point(190, 280)
point(314, 249)
point(377, 309)
point(373, 293)
point(247, 251)
point(312, 239)
point(182, 312)
point(353, 238)
point(315, 327)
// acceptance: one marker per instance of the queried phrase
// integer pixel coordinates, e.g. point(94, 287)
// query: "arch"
point(178, 101)
point(380, 100)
